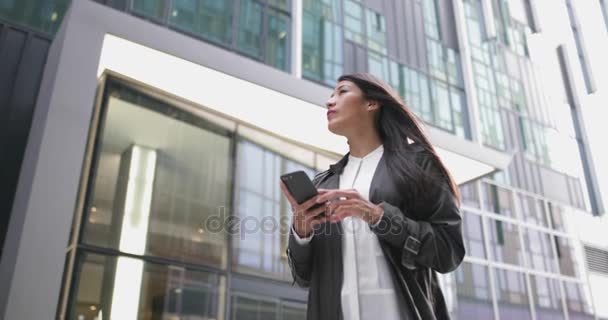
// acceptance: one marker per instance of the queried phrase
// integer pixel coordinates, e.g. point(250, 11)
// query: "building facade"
point(150, 136)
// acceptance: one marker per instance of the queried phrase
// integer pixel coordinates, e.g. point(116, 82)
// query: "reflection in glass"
point(441, 105)
point(556, 213)
point(547, 298)
point(45, 16)
point(498, 200)
point(161, 173)
point(469, 195)
point(533, 210)
point(578, 301)
point(277, 40)
point(512, 295)
point(149, 8)
point(473, 235)
point(353, 21)
point(504, 242)
point(163, 292)
point(568, 265)
point(473, 291)
point(253, 307)
point(265, 217)
point(321, 41)
point(250, 308)
point(376, 31)
point(250, 28)
point(378, 66)
point(209, 19)
point(539, 251)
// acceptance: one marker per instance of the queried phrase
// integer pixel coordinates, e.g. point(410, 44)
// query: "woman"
point(391, 215)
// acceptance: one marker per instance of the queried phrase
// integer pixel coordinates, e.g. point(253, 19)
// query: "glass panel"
point(436, 59)
point(321, 41)
point(278, 39)
point(565, 253)
point(498, 200)
point(512, 295)
point(547, 298)
point(250, 28)
point(504, 242)
point(533, 210)
point(578, 301)
point(539, 251)
point(376, 31)
point(209, 19)
point(441, 105)
point(264, 216)
point(378, 66)
point(44, 16)
point(280, 4)
point(473, 292)
point(454, 68)
point(245, 307)
point(469, 195)
point(430, 19)
point(150, 8)
point(353, 21)
point(109, 287)
point(473, 235)
point(293, 311)
point(458, 113)
point(556, 214)
point(160, 176)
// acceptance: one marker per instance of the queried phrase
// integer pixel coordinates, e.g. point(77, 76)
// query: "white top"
point(368, 286)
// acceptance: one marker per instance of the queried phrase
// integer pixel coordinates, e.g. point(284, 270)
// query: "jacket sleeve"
point(435, 239)
point(300, 255)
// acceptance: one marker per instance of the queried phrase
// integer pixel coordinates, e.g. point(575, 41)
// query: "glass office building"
point(162, 127)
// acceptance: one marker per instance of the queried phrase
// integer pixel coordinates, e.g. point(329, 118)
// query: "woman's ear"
point(372, 105)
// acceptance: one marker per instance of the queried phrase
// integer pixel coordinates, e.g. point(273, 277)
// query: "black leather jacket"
point(417, 239)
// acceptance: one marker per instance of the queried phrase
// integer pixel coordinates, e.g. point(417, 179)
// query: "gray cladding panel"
point(360, 59)
point(393, 31)
point(410, 33)
point(22, 59)
point(420, 42)
point(448, 23)
point(349, 57)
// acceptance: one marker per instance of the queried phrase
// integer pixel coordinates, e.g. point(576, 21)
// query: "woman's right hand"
point(305, 218)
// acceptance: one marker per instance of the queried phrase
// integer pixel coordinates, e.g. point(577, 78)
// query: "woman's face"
point(347, 109)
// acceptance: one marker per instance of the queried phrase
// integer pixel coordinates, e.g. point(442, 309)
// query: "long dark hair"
point(396, 123)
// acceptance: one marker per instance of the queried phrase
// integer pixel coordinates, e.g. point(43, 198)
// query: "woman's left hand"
point(349, 203)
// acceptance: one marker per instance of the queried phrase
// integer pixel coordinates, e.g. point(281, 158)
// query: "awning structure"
point(288, 117)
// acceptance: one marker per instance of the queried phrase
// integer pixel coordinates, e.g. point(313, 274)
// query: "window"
point(322, 42)
point(533, 210)
point(547, 298)
point(353, 21)
point(378, 66)
point(512, 295)
point(44, 16)
point(578, 301)
point(376, 32)
point(211, 20)
point(153, 9)
point(118, 287)
point(264, 216)
point(441, 106)
point(247, 306)
point(249, 37)
point(539, 251)
point(278, 40)
point(473, 235)
point(504, 242)
point(473, 292)
point(158, 184)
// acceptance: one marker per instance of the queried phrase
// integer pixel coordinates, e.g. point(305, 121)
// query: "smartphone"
point(301, 188)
